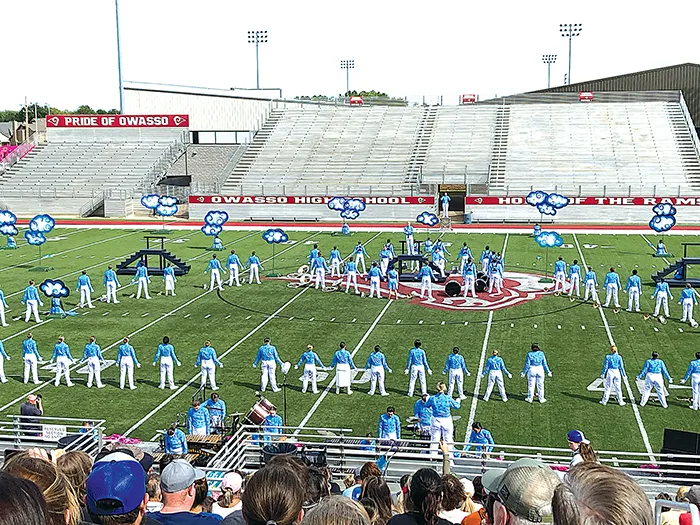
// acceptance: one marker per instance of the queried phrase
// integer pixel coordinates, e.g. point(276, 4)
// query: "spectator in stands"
point(33, 407)
point(337, 510)
point(154, 495)
point(354, 490)
point(61, 502)
point(576, 440)
point(317, 489)
point(692, 496)
point(230, 499)
point(333, 487)
point(177, 484)
point(274, 494)
point(453, 498)
point(669, 516)
point(22, 502)
point(469, 505)
point(371, 509)
point(349, 480)
point(400, 496)
point(201, 488)
point(376, 489)
point(425, 495)
point(520, 494)
point(681, 494)
point(595, 494)
point(75, 466)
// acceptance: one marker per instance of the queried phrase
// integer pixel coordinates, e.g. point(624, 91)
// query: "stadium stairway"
point(420, 148)
point(497, 171)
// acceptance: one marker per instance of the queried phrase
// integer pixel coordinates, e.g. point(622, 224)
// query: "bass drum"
point(260, 411)
point(482, 282)
point(453, 286)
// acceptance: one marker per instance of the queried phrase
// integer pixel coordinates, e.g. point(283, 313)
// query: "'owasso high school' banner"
point(117, 121)
point(590, 201)
point(303, 199)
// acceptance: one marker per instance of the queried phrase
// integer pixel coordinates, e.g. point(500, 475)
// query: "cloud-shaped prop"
point(337, 203)
point(42, 223)
point(546, 209)
point(355, 204)
point(167, 200)
point(662, 223)
point(428, 218)
point(664, 209)
point(211, 230)
point(7, 217)
point(8, 229)
point(350, 214)
point(54, 288)
point(150, 201)
point(166, 211)
point(536, 197)
point(557, 201)
point(34, 238)
point(216, 217)
point(275, 236)
point(549, 239)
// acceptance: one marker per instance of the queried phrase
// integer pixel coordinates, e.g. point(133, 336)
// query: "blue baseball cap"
point(116, 485)
point(576, 436)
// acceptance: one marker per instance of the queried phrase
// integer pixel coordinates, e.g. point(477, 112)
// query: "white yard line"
point(652, 247)
point(630, 393)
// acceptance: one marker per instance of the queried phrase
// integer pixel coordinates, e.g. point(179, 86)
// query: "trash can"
point(278, 449)
point(467, 217)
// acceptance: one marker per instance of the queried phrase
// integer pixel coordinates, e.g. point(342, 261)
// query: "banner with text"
point(590, 201)
point(117, 121)
point(303, 199)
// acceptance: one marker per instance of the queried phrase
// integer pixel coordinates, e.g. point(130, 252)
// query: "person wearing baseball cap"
point(576, 439)
point(523, 491)
point(116, 491)
point(230, 499)
point(178, 492)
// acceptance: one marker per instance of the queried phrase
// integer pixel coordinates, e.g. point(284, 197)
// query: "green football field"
point(574, 335)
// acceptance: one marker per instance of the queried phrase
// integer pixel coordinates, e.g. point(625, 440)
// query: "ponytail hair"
point(441, 387)
point(426, 494)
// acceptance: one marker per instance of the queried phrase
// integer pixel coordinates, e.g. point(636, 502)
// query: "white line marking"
point(630, 393)
point(207, 316)
point(652, 247)
point(248, 317)
point(420, 322)
point(145, 314)
point(228, 316)
point(125, 314)
point(323, 395)
point(354, 319)
point(398, 321)
point(332, 319)
point(291, 318)
point(186, 316)
point(482, 361)
point(583, 327)
point(312, 319)
point(106, 313)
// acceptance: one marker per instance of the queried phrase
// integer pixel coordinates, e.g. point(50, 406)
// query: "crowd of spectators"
point(52, 488)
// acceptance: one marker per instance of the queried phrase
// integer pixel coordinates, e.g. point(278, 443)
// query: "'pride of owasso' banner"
point(302, 199)
point(592, 201)
point(117, 121)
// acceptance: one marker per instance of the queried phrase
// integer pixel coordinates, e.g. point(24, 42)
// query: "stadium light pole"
point(549, 60)
point(347, 65)
point(119, 60)
point(569, 31)
point(257, 38)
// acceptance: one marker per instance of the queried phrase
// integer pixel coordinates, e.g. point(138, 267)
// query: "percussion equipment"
point(482, 282)
point(190, 458)
point(453, 286)
point(326, 433)
point(412, 419)
point(260, 411)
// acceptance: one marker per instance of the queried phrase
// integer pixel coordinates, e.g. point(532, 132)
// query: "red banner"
point(590, 201)
point(303, 199)
point(117, 121)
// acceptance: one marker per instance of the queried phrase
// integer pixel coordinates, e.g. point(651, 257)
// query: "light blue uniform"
point(345, 230)
point(253, 259)
point(377, 359)
point(166, 354)
point(654, 366)
point(167, 351)
point(126, 359)
point(613, 373)
point(495, 368)
point(393, 279)
point(408, 232)
point(342, 357)
point(267, 352)
point(442, 405)
point(389, 427)
point(426, 272)
point(141, 273)
point(11, 243)
point(207, 353)
point(110, 276)
point(63, 358)
point(687, 300)
point(693, 372)
point(310, 358)
point(535, 368)
point(612, 286)
point(455, 362)
point(653, 373)
point(335, 255)
point(575, 280)
point(217, 244)
point(214, 264)
point(272, 424)
point(613, 362)
point(198, 421)
point(30, 356)
point(634, 290)
point(233, 260)
point(458, 369)
point(481, 440)
point(143, 279)
point(91, 350)
point(423, 412)
point(61, 350)
point(662, 293)
point(445, 201)
point(495, 363)
point(417, 364)
point(93, 355)
point(217, 411)
point(268, 358)
point(29, 348)
point(428, 245)
point(175, 444)
point(441, 426)
point(533, 359)
point(84, 280)
point(31, 294)
point(559, 267)
point(169, 271)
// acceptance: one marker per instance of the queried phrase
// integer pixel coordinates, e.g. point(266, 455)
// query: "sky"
point(406, 49)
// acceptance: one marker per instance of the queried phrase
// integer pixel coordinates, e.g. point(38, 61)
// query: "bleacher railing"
point(161, 166)
point(580, 190)
point(18, 153)
point(688, 507)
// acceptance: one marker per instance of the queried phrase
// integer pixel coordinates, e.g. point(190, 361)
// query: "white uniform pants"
point(426, 284)
point(85, 296)
point(32, 308)
point(268, 369)
point(687, 305)
point(484, 264)
point(590, 291)
point(611, 292)
point(3, 379)
point(320, 278)
point(126, 368)
point(655, 381)
point(469, 281)
point(351, 278)
point(215, 276)
point(384, 265)
point(535, 377)
point(441, 429)
point(143, 285)
point(111, 291)
point(495, 377)
point(208, 369)
point(335, 268)
point(63, 368)
point(695, 385)
point(575, 282)
point(409, 244)
point(613, 385)
point(377, 376)
point(559, 281)
point(441, 264)
point(233, 274)
point(199, 431)
point(30, 364)
point(661, 299)
point(169, 284)
point(93, 366)
point(166, 370)
point(633, 298)
point(417, 371)
point(495, 281)
point(445, 209)
point(456, 375)
point(309, 375)
point(360, 258)
point(2, 314)
point(374, 286)
point(254, 274)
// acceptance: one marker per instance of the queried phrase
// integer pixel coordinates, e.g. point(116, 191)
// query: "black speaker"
point(681, 441)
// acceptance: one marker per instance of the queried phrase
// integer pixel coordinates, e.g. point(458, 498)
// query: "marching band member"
point(30, 356)
point(687, 301)
point(111, 284)
point(215, 267)
point(481, 439)
point(85, 288)
point(335, 259)
point(536, 230)
point(662, 294)
point(343, 363)
point(32, 299)
point(374, 277)
point(390, 247)
point(612, 286)
point(126, 359)
point(634, 290)
point(93, 355)
point(661, 249)
point(255, 266)
point(458, 369)
point(535, 368)
point(464, 255)
point(559, 275)
point(61, 354)
point(269, 359)
point(272, 424)
point(442, 427)
point(3, 305)
point(345, 230)
point(575, 279)
point(485, 259)
point(389, 425)
point(653, 373)
point(424, 413)
point(351, 273)
point(408, 232)
point(438, 259)
point(309, 359)
point(496, 276)
point(427, 246)
point(393, 283)
point(217, 412)
point(426, 275)
point(198, 420)
point(175, 441)
point(591, 282)
point(469, 274)
point(169, 279)
point(376, 363)
point(313, 254)
point(445, 202)
point(384, 258)
point(3, 356)
point(234, 265)
point(613, 373)
point(143, 280)
point(11, 242)
point(495, 367)
point(417, 364)
point(360, 253)
point(319, 267)
point(166, 353)
point(206, 359)
point(217, 245)
point(694, 373)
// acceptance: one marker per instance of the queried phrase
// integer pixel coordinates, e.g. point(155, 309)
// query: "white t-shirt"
point(224, 511)
point(453, 516)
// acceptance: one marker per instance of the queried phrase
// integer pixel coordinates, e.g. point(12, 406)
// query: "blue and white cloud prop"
point(275, 236)
point(549, 239)
point(167, 200)
point(163, 205)
point(211, 230)
point(54, 288)
point(349, 208)
point(216, 217)
point(166, 211)
point(428, 218)
point(150, 201)
point(665, 217)
point(42, 223)
point(7, 217)
point(8, 229)
point(546, 209)
point(336, 203)
point(34, 238)
point(535, 198)
point(557, 201)
point(547, 203)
